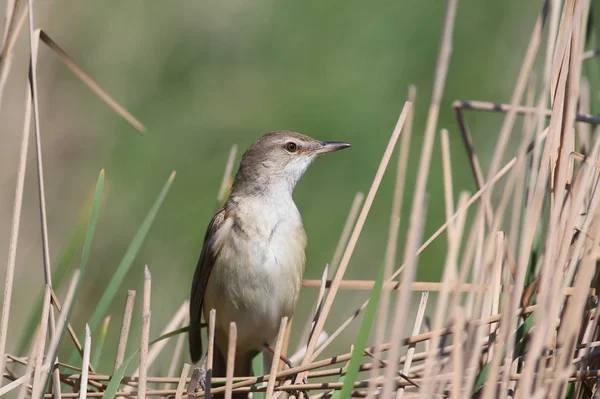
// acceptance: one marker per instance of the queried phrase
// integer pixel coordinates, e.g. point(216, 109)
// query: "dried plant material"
point(125, 325)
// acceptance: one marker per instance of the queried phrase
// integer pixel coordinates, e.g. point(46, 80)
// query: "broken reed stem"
point(175, 321)
point(125, 325)
point(87, 347)
point(145, 339)
point(276, 356)
point(231, 359)
point(182, 380)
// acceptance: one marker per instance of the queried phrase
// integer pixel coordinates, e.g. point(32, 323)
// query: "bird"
point(252, 259)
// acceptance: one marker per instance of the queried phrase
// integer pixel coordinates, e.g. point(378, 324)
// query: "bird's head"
point(277, 160)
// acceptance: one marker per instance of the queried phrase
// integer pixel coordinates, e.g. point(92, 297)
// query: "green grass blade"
point(115, 381)
point(64, 266)
point(521, 334)
point(258, 369)
point(87, 245)
point(361, 340)
point(99, 347)
point(128, 259)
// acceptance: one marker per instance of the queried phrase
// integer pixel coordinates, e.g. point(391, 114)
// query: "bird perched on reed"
point(251, 264)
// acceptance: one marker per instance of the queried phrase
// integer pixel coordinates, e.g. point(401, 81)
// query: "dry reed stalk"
point(181, 384)
point(38, 387)
point(354, 237)
point(520, 180)
point(337, 256)
point(343, 240)
point(11, 8)
point(56, 302)
point(226, 182)
point(422, 176)
point(31, 359)
point(175, 321)
point(560, 86)
point(394, 227)
point(457, 356)
point(509, 120)
point(584, 131)
point(87, 348)
point(34, 39)
point(276, 356)
point(230, 360)
point(403, 299)
point(415, 331)
point(211, 349)
point(532, 218)
point(91, 83)
point(145, 337)
point(449, 279)
point(125, 325)
point(433, 237)
point(14, 231)
point(51, 354)
point(286, 341)
point(527, 110)
point(178, 350)
point(13, 26)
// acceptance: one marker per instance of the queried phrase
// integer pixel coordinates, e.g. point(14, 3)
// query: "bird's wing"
point(206, 262)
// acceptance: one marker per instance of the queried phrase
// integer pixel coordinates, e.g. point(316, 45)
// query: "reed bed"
point(515, 315)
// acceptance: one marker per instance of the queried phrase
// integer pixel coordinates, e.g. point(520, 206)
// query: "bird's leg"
point(281, 357)
point(288, 362)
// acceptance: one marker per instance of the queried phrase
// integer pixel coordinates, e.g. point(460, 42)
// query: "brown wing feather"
point(201, 275)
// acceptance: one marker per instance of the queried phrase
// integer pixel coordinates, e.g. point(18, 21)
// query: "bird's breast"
point(257, 276)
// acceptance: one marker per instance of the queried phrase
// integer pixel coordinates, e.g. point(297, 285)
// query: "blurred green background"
point(203, 75)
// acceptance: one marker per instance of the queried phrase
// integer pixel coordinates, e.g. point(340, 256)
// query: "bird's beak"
point(330, 146)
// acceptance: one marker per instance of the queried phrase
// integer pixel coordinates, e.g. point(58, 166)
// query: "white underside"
point(256, 278)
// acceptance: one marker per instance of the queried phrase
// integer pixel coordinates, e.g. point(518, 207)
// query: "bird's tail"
point(243, 368)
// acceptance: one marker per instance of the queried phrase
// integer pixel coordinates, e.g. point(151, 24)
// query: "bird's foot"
point(198, 380)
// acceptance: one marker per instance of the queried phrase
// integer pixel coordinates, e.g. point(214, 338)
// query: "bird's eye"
point(290, 146)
